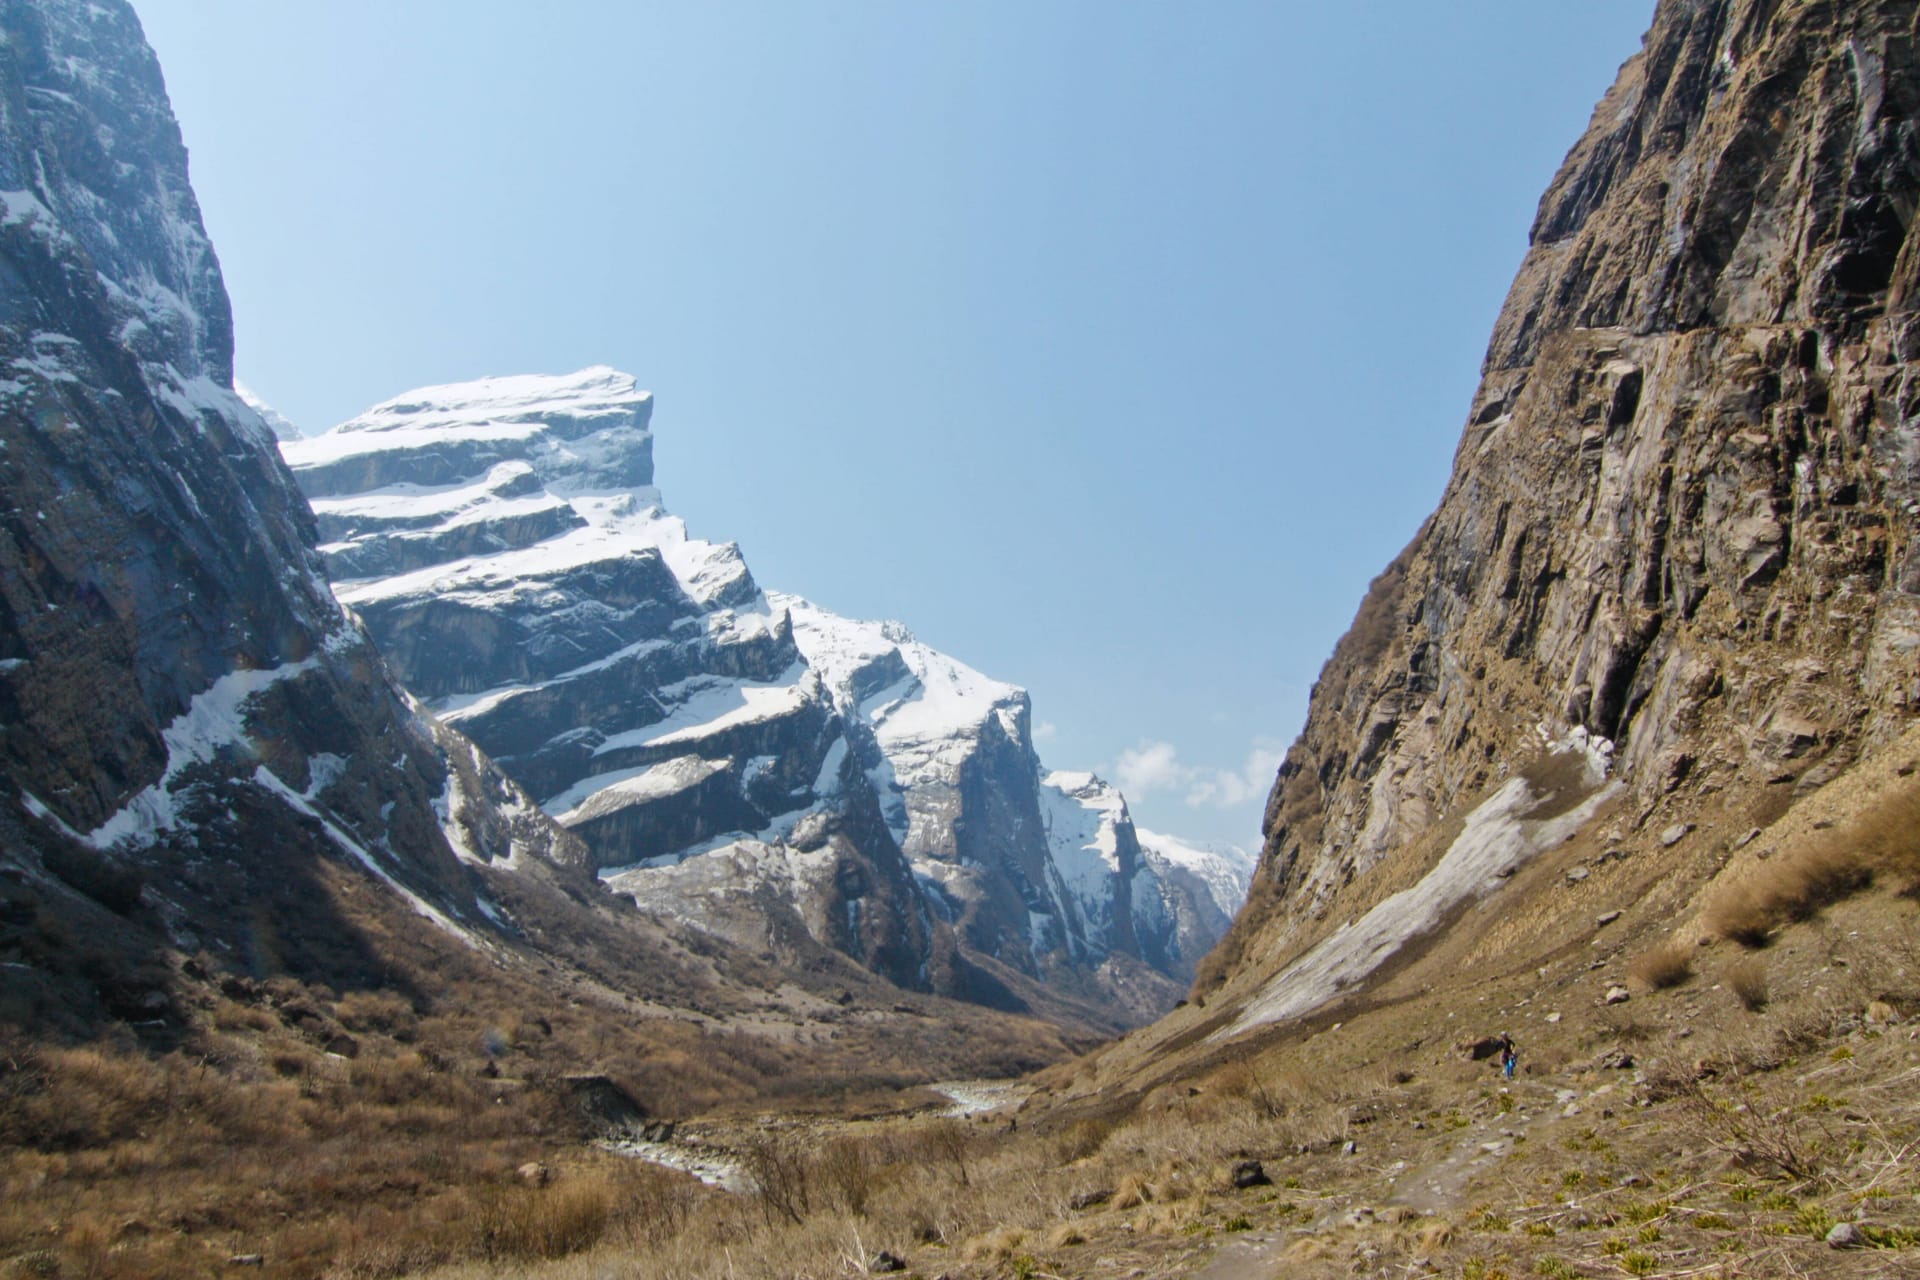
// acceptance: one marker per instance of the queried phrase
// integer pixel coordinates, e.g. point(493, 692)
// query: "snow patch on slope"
point(214, 721)
point(1497, 837)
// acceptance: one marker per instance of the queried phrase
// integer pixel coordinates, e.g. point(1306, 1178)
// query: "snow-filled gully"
point(1497, 837)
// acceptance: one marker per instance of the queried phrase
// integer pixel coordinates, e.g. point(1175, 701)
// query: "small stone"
point(1846, 1235)
point(1618, 995)
point(1606, 918)
point(884, 1261)
point(1633, 1180)
point(1675, 834)
point(1359, 1217)
point(258, 1260)
point(1554, 1016)
point(1090, 1199)
point(1248, 1173)
point(1577, 874)
point(534, 1174)
point(1752, 834)
point(1350, 1148)
point(1571, 1110)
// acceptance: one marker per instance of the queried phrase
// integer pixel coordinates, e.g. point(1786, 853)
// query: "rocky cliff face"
point(178, 688)
point(754, 763)
point(202, 757)
point(1679, 532)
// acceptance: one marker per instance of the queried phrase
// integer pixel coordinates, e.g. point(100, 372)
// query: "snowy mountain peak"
point(716, 748)
point(583, 432)
point(596, 392)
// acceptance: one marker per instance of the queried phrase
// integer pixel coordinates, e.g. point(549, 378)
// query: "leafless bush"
point(1080, 1139)
point(1761, 1128)
point(847, 1172)
point(779, 1172)
point(953, 1142)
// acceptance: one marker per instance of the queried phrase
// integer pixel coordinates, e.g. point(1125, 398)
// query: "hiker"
point(1509, 1056)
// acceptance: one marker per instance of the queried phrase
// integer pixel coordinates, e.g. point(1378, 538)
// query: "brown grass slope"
point(1686, 1131)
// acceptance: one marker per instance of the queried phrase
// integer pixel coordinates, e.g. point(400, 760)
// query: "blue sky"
point(1112, 346)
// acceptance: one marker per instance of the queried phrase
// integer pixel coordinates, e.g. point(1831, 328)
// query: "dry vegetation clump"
point(1793, 885)
point(1667, 964)
point(1746, 977)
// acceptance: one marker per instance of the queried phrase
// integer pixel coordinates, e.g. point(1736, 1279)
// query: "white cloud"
point(1045, 730)
point(1156, 766)
point(1151, 766)
point(1226, 788)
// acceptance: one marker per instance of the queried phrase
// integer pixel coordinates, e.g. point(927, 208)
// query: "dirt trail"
point(1432, 1187)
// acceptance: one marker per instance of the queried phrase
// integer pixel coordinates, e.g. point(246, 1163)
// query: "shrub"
point(1747, 978)
point(526, 1224)
point(1883, 838)
point(1667, 965)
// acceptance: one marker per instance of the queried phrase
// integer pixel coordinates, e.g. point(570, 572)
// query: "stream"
point(716, 1168)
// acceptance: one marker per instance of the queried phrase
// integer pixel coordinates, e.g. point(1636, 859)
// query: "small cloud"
point(1151, 766)
point(1156, 766)
point(1044, 730)
point(1225, 788)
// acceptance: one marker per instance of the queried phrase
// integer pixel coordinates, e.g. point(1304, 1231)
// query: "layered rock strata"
point(751, 762)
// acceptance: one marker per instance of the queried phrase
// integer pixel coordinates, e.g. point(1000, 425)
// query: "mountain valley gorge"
point(421, 854)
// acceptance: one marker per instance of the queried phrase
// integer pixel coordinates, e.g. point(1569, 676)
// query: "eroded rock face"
point(1681, 516)
point(178, 686)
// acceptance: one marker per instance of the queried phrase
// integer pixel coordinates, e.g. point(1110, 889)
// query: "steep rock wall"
point(1681, 516)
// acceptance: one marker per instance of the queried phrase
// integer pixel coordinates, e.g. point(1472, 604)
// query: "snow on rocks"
point(503, 541)
point(1497, 836)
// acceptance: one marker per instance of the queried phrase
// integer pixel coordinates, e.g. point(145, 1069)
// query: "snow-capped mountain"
point(751, 761)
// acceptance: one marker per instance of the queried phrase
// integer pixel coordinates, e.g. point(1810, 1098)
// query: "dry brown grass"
point(1882, 840)
point(1746, 977)
point(1666, 964)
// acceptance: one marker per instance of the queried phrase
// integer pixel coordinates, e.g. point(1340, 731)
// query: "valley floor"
point(1720, 1078)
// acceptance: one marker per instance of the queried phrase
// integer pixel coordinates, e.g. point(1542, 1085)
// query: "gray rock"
point(1606, 918)
point(1618, 995)
point(1249, 1173)
point(1576, 874)
point(1675, 834)
point(1845, 1235)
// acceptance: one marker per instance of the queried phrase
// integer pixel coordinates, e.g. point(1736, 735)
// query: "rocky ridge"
point(179, 690)
point(208, 776)
point(1679, 534)
point(746, 760)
